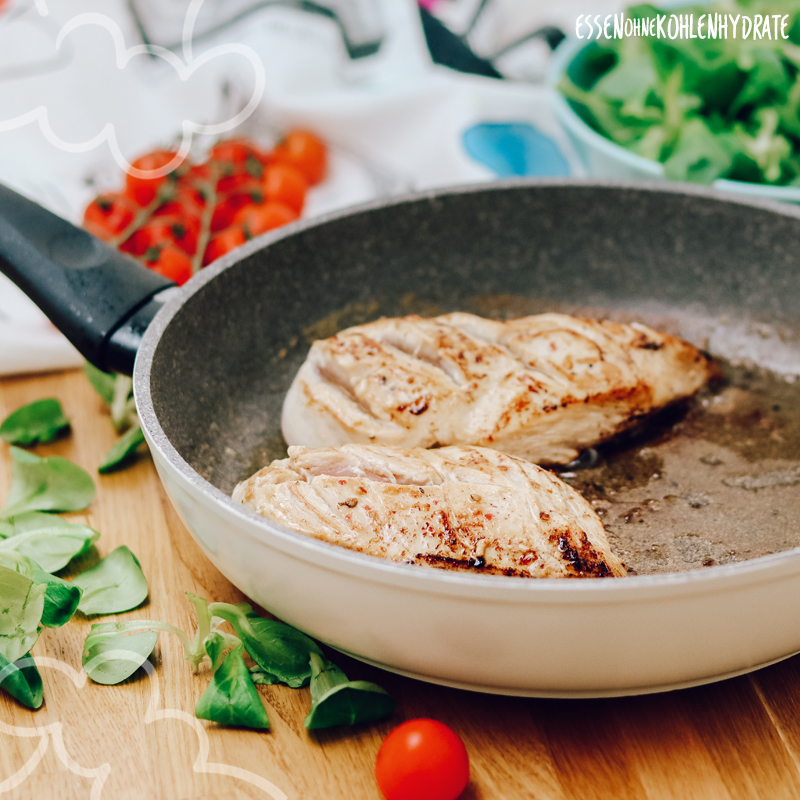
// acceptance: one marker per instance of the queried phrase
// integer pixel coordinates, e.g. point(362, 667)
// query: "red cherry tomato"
point(285, 184)
point(223, 243)
point(189, 197)
point(305, 152)
point(197, 175)
point(227, 207)
point(108, 215)
point(170, 263)
point(184, 225)
point(155, 233)
point(143, 190)
point(181, 231)
point(171, 209)
point(238, 182)
point(186, 232)
point(236, 151)
point(193, 188)
point(422, 759)
point(264, 217)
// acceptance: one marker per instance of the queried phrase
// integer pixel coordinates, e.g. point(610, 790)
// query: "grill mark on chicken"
point(462, 508)
point(434, 360)
point(541, 387)
point(465, 564)
point(537, 369)
point(340, 383)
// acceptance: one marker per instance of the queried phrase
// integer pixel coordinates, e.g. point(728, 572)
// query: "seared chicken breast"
point(541, 387)
point(458, 508)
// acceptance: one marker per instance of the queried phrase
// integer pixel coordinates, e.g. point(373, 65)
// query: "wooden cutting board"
point(737, 739)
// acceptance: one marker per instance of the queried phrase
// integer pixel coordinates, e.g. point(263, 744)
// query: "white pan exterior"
point(517, 636)
point(560, 638)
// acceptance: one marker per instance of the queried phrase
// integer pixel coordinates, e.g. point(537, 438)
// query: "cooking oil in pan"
point(712, 481)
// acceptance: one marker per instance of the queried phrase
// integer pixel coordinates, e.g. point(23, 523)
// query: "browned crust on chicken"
point(456, 508)
point(540, 387)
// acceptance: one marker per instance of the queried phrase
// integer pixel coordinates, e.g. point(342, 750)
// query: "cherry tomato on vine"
point(236, 151)
point(194, 187)
point(285, 184)
point(186, 233)
point(146, 238)
point(422, 759)
point(184, 225)
point(169, 262)
point(191, 198)
point(108, 215)
point(196, 175)
point(227, 207)
point(223, 243)
point(258, 219)
point(152, 234)
point(178, 231)
point(143, 190)
point(171, 209)
point(305, 152)
point(238, 183)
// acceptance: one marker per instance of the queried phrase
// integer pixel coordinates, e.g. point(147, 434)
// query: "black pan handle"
point(99, 298)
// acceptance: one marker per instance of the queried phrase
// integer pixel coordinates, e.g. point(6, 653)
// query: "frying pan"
point(213, 365)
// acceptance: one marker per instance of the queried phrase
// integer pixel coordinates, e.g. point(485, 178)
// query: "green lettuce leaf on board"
point(110, 658)
point(21, 608)
point(338, 701)
point(38, 422)
point(49, 540)
point(114, 584)
point(120, 455)
point(231, 698)
point(46, 484)
point(22, 681)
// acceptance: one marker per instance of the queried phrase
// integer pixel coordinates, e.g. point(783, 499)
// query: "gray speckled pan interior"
point(708, 483)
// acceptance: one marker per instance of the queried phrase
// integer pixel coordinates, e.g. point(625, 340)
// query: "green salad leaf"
point(119, 455)
point(21, 679)
point(111, 658)
point(215, 645)
point(337, 701)
point(61, 598)
point(698, 155)
point(21, 608)
point(706, 108)
point(113, 585)
point(52, 542)
point(40, 421)
point(281, 652)
point(46, 484)
point(117, 392)
point(231, 698)
point(123, 408)
point(261, 678)
point(102, 382)
point(109, 643)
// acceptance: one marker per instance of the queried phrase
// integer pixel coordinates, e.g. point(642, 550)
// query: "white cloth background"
point(394, 119)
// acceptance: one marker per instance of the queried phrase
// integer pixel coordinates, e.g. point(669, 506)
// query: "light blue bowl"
point(603, 158)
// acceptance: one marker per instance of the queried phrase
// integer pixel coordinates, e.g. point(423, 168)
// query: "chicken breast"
point(541, 387)
point(458, 508)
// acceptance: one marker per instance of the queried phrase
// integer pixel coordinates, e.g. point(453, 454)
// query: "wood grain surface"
point(737, 739)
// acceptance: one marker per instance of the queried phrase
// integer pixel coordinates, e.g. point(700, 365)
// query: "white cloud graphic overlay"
point(53, 732)
point(184, 67)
